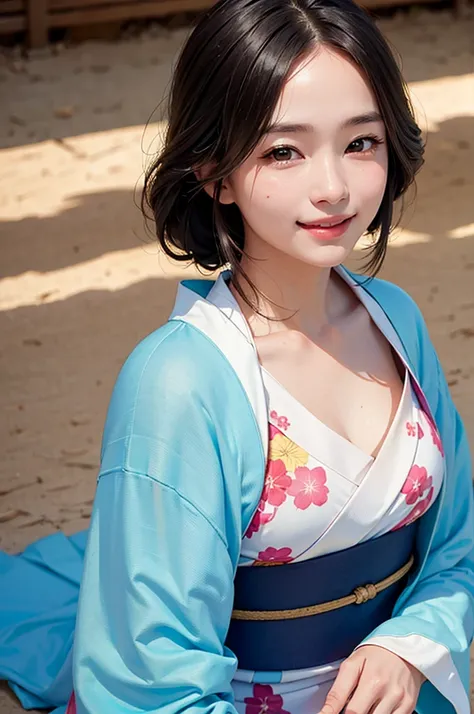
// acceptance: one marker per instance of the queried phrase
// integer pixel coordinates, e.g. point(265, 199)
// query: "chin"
point(325, 256)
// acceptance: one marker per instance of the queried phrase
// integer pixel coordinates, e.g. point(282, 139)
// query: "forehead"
point(324, 87)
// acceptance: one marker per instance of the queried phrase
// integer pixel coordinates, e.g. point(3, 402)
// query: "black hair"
point(225, 87)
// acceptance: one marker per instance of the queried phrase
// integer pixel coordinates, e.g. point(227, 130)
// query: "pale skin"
point(329, 160)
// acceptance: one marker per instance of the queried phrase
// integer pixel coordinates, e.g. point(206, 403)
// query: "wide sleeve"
point(155, 604)
point(157, 591)
point(433, 622)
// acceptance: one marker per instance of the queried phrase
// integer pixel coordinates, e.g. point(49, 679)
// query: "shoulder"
point(176, 360)
point(175, 385)
point(180, 416)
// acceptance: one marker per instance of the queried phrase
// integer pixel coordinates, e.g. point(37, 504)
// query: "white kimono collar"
point(210, 307)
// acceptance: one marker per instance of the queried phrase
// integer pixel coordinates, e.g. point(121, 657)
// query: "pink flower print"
point(272, 431)
point(309, 487)
point(275, 555)
point(414, 429)
point(264, 701)
point(277, 482)
point(260, 519)
point(423, 505)
point(417, 511)
point(416, 484)
point(435, 436)
point(282, 421)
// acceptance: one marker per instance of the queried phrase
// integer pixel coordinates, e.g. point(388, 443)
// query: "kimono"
point(207, 465)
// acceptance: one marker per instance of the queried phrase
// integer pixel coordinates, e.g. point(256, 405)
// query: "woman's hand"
point(374, 681)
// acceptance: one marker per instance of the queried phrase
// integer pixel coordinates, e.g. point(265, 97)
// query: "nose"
point(328, 182)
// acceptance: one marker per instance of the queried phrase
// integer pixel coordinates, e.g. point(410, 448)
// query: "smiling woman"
point(313, 174)
point(281, 51)
point(289, 414)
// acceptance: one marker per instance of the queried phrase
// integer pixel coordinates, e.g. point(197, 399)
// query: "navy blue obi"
point(317, 639)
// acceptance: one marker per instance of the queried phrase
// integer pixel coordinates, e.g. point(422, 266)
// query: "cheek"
point(262, 197)
point(371, 180)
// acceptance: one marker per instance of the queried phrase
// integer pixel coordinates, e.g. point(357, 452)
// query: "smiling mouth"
point(328, 229)
point(328, 223)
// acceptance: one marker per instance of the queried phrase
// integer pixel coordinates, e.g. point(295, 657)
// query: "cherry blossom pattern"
point(414, 429)
point(292, 455)
point(308, 487)
point(264, 701)
point(281, 421)
point(259, 519)
point(434, 431)
point(272, 431)
point(275, 556)
point(417, 511)
point(417, 482)
point(277, 483)
point(435, 435)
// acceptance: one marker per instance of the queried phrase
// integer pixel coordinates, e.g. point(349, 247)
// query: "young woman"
point(290, 414)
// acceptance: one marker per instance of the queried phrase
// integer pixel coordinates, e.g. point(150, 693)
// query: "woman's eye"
point(363, 145)
point(282, 154)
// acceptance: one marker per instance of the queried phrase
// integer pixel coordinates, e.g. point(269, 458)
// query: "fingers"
point(402, 707)
point(345, 683)
point(370, 702)
point(373, 681)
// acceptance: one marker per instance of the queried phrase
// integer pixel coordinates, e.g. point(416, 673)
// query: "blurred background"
point(81, 90)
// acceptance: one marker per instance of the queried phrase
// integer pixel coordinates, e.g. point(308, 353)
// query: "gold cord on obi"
point(361, 594)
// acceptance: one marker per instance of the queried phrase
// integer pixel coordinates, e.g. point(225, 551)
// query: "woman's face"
point(324, 161)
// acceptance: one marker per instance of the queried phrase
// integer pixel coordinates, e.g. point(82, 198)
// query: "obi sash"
point(317, 639)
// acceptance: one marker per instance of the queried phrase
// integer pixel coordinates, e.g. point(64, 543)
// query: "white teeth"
point(327, 224)
point(330, 225)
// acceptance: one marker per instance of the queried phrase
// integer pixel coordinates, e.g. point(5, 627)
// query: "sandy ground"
point(82, 283)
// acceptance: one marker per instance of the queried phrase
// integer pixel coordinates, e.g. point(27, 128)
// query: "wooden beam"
point(37, 12)
point(12, 23)
point(128, 11)
point(12, 6)
point(42, 14)
point(80, 4)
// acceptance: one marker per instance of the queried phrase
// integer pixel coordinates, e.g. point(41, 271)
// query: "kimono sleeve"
point(433, 622)
point(157, 591)
point(155, 605)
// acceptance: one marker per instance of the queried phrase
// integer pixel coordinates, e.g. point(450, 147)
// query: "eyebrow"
point(286, 128)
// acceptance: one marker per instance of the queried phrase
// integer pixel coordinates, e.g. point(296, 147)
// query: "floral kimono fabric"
point(323, 494)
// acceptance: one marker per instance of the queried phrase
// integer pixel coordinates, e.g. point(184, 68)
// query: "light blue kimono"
point(182, 470)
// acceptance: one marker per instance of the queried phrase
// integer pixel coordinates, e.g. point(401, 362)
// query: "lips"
point(326, 222)
point(328, 229)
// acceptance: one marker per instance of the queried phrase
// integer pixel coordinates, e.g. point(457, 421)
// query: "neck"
point(293, 294)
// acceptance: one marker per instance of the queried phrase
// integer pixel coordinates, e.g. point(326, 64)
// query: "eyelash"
point(376, 141)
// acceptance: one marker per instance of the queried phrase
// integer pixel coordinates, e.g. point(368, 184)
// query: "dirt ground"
point(82, 282)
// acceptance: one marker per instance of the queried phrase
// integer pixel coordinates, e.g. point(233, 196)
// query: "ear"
point(226, 196)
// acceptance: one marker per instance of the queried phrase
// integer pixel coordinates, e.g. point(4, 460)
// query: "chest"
point(352, 386)
point(322, 493)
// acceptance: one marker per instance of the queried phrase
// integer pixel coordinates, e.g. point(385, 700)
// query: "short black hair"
point(225, 88)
